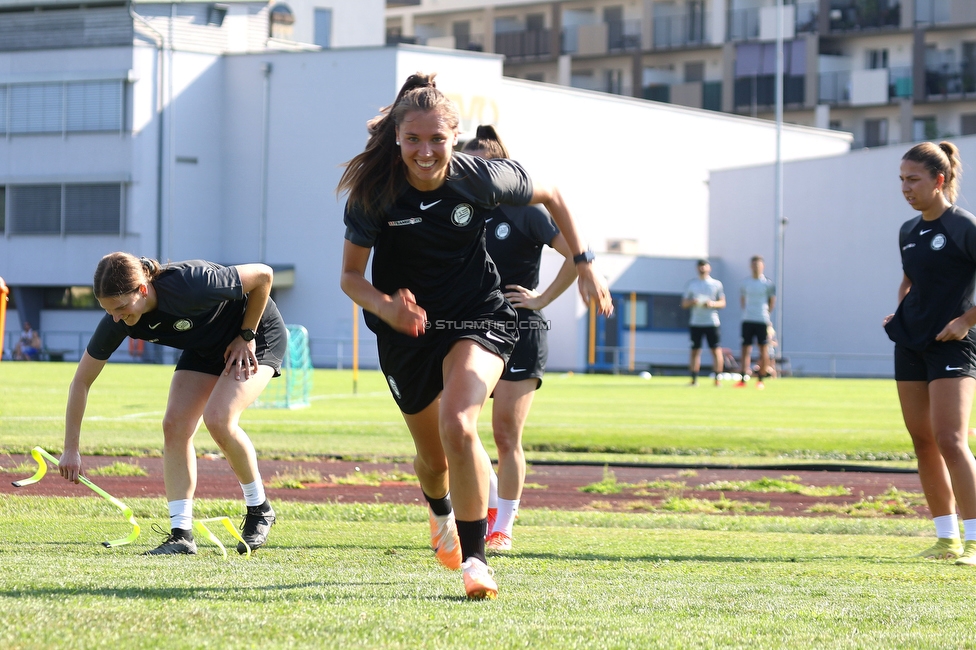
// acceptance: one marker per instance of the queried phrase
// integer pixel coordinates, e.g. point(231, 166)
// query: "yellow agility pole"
point(633, 329)
point(200, 526)
point(355, 348)
point(3, 314)
point(39, 455)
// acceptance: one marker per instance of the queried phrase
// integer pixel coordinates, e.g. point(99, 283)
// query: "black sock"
point(472, 535)
point(694, 376)
point(179, 533)
point(441, 507)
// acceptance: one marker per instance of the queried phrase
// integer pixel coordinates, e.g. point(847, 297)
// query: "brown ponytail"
point(939, 159)
point(487, 141)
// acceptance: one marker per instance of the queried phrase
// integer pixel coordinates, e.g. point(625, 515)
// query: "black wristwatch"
point(586, 256)
point(247, 334)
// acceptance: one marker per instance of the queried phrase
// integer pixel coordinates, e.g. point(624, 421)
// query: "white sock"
point(181, 514)
point(493, 489)
point(969, 528)
point(507, 509)
point(254, 493)
point(947, 527)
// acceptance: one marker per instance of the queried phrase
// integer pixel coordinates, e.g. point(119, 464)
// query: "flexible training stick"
point(200, 526)
point(39, 455)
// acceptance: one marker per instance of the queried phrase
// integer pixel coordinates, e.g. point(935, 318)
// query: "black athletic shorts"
point(939, 360)
point(710, 333)
point(753, 330)
point(528, 360)
point(270, 347)
point(415, 373)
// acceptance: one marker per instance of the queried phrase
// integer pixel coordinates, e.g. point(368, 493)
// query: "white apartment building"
point(887, 71)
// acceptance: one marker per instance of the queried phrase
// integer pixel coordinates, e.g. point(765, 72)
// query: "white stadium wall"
point(842, 264)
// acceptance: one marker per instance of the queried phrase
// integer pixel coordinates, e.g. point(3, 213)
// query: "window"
point(876, 132)
point(323, 28)
point(3, 209)
point(216, 15)
point(70, 298)
point(62, 107)
point(877, 59)
point(694, 71)
point(925, 128)
point(66, 209)
point(654, 312)
point(967, 127)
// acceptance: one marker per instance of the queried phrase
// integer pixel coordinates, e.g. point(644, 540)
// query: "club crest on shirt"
point(502, 230)
point(183, 325)
point(393, 386)
point(938, 242)
point(461, 216)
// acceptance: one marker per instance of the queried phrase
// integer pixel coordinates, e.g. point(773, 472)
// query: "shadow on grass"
point(207, 593)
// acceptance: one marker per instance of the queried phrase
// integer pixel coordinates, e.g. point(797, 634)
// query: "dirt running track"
point(561, 491)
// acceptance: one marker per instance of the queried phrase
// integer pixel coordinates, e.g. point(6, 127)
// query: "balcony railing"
point(530, 43)
point(853, 15)
point(806, 17)
point(950, 80)
point(623, 35)
point(835, 87)
point(941, 12)
point(680, 31)
point(760, 91)
point(743, 24)
point(900, 82)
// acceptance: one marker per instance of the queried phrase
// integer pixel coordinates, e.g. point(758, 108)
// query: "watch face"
point(247, 335)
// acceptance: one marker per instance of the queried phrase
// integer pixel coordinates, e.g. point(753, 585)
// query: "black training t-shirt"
point(939, 258)
point(201, 308)
point(433, 243)
point(515, 237)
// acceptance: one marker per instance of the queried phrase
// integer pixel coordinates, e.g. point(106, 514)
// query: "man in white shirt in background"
point(758, 299)
point(704, 296)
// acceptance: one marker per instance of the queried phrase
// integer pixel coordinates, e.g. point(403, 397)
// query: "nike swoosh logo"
point(424, 206)
point(152, 327)
point(922, 232)
point(517, 369)
point(491, 336)
point(487, 220)
point(950, 368)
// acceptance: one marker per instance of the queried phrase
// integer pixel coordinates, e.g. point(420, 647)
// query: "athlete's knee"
point(220, 423)
point(507, 440)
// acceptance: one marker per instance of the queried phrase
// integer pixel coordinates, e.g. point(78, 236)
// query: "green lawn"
point(599, 416)
point(363, 576)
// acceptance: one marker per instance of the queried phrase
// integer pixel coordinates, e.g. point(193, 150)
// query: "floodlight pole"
point(780, 222)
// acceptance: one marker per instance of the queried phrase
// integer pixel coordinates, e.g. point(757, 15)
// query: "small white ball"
point(644, 375)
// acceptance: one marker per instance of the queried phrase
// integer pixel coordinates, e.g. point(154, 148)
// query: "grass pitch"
point(596, 417)
point(363, 575)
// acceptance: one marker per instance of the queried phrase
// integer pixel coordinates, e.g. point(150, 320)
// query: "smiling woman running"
point(935, 346)
point(444, 330)
point(233, 342)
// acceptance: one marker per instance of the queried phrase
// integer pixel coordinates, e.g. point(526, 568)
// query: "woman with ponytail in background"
point(515, 237)
point(233, 342)
point(935, 346)
point(444, 330)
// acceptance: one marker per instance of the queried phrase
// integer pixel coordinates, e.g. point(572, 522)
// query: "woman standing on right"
point(935, 346)
point(514, 238)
